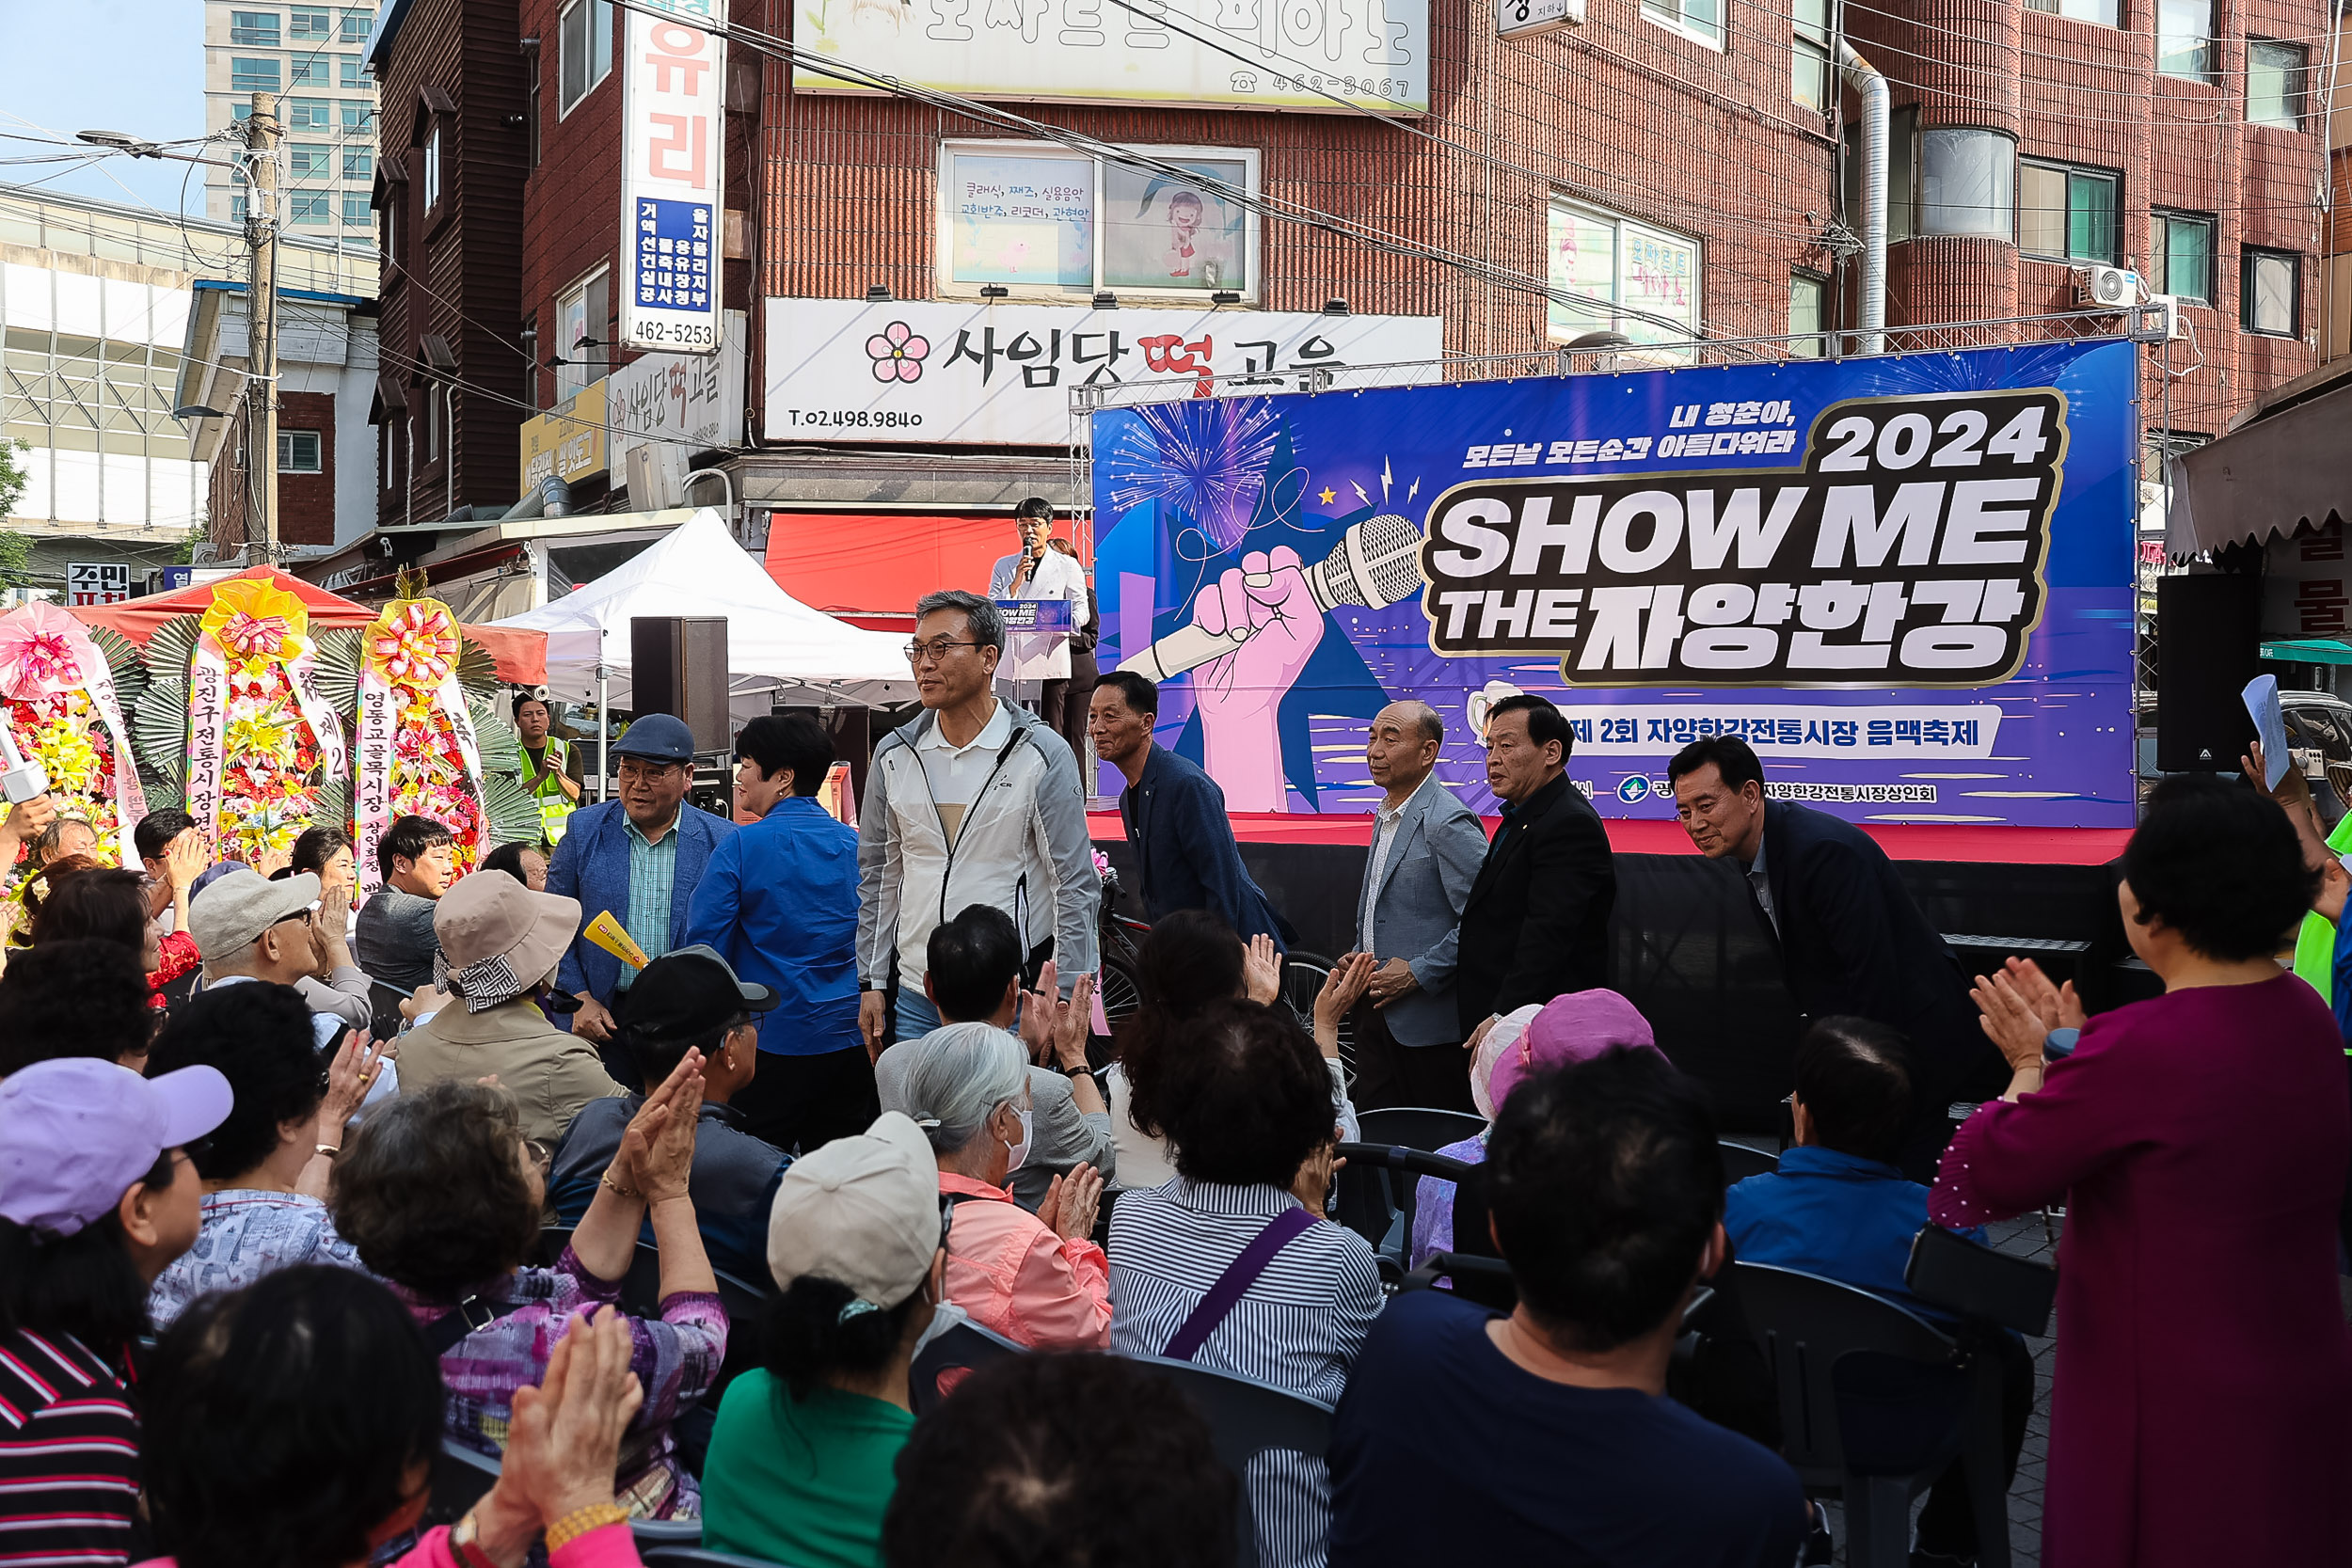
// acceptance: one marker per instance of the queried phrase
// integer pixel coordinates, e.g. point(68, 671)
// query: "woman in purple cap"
point(1572, 1028)
point(96, 1199)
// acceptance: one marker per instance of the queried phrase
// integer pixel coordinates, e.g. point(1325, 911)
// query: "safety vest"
point(555, 809)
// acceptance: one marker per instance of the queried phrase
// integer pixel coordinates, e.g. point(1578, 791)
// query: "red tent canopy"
point(521, 655)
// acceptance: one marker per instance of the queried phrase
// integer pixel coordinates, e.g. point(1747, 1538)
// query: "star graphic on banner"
point(1327, 495)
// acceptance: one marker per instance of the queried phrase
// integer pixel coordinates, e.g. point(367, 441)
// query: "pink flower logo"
point(898, 353)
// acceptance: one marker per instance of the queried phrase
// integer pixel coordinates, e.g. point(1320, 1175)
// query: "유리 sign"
point(672, 146)
point(1208, 54)
point(950, 372)
point(1906, 581)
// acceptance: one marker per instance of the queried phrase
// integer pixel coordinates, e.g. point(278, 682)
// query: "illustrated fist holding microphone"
point(1253, 630)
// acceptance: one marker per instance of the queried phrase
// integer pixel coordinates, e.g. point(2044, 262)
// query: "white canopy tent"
point(776, 645)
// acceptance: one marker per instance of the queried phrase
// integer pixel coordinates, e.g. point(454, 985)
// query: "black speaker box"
point(678, 665)
point(2208, 646)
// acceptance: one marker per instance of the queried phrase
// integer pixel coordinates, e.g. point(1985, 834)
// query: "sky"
point(135, 66)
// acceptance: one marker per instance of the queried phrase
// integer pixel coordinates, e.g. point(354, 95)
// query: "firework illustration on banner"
point(264, 751)
point(416, 751)
point(63, 702)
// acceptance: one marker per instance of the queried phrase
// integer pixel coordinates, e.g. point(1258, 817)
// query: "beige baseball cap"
point(863, 1210)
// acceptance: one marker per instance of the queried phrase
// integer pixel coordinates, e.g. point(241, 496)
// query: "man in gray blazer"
point(1426, 849)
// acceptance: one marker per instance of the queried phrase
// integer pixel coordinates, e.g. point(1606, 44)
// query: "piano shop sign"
point(1905, 548)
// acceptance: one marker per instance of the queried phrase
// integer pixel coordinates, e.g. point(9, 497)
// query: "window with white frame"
point(356, 213)
point(2185, 39)
point(359, 165)
point(311, 162)
point(433, 166)
point(1808, 312)
point(584, 40)
point(582, 314)
point(309, 114)
point(2271, 293)
point(357, 26)
point(312, 207)
point(1702, 20)
point(308, 23)
point(2066, 214)
point(2183, 257)
point(347, 72)
point(2274, 84)
point(299, 451)
point(359, 116)
point(252, 75)
point(1811, 81)
point(1038, 218)
point(2107, 14)
point(1606, 261)
point(310, 71)
point(256, 29)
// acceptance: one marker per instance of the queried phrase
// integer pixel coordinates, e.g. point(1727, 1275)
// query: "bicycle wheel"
point(1303, 975)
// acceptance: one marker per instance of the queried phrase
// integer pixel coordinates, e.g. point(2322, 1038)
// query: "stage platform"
point(1690, 950)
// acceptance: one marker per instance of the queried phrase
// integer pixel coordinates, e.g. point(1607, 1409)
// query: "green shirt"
point(800, 1482)
point(2316, 943)
point(652, 879)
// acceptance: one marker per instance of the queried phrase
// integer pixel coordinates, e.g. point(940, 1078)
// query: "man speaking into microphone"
point(1037, 573)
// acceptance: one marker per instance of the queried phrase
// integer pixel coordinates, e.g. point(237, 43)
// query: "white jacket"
point(1022, 847)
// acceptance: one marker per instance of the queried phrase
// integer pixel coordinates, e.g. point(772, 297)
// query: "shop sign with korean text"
point(568, 440)
point(1206, 54)
point(964, 372)
point(672, 182)
point(695, 400)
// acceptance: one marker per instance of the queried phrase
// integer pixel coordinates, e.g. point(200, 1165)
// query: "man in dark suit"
point(1175, 816)
point(1536, 924)
point(1850, 939)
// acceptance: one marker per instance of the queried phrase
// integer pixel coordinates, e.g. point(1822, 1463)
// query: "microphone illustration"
point(1375, 563)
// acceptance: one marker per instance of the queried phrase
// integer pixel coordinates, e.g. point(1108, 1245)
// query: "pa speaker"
point(2208, 646)
point(678, 665)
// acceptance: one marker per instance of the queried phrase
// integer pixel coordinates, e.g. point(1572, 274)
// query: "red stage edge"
point(1901, 841)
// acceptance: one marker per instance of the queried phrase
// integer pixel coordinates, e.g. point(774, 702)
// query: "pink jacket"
point(611, 1547)
point(1014, 1275)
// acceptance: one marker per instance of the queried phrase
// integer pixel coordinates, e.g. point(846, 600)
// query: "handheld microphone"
point(1375, 563)
point(22, 779)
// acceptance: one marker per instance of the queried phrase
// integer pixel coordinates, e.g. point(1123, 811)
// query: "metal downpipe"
point(1876, 120)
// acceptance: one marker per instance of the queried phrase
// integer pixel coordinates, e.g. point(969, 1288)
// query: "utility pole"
point(260, 231)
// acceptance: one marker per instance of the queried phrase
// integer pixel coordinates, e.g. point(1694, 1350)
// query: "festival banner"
point(1905, 581)
point(63, 710)
point(262, 740)
point(417, 755)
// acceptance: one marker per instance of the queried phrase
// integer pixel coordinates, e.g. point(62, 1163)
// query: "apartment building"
point(312, 58)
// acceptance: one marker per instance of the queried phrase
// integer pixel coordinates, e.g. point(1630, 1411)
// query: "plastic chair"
point(460, 1478)
point(947, 1359)
point(1740, 1161)
point(701, 1556)
point(1874, 1402)
point(654, 1534)
point(1247, 1417)
point(1373, 1196)
point(1417, 1126)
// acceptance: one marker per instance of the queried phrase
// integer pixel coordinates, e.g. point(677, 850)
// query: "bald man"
point(1426, 849)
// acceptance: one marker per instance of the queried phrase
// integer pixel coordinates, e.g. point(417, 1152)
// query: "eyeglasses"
point(920, 654)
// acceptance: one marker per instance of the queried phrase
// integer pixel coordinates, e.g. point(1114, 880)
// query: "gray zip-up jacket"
point(1022, 847)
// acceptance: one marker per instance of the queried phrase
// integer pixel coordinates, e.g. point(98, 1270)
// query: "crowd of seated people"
point(256, 1267)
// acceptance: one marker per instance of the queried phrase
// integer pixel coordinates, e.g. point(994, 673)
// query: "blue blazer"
point(592, 865)
point(1185, 857)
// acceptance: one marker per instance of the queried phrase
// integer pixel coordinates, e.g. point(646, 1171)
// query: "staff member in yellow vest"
point(549, 770)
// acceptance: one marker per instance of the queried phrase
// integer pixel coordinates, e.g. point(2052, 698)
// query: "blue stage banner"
point(1906, 581)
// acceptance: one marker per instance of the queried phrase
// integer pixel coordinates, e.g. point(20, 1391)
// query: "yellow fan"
point(608, 933)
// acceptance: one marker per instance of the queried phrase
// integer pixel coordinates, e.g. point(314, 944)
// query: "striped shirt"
point(652, 883)
point(1298, 1327)
point(69, 1455)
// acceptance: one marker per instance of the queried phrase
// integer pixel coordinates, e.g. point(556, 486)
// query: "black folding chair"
point(1375, 1191)
point(947, 1358)
point(1874, 1402)
point(1247, 1417)
point(460, 1479)
point(1417, 1126)
point(1740, 1161)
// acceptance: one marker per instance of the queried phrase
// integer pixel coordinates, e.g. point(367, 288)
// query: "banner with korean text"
point(1906, 581)
point(672, 179)
point(957, 372)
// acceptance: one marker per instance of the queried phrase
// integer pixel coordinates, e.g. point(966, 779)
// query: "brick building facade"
point(306, 485)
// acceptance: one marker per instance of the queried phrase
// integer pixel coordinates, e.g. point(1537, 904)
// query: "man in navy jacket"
point(1850, 939)
point(1175, 816)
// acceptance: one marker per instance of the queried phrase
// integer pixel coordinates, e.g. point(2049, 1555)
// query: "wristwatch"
point(466, 1543)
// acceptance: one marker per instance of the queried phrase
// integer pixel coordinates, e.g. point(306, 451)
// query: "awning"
point(862, 563)
point(2286, 470)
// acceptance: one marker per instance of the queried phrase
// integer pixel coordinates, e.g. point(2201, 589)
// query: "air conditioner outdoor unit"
point(2163, 309)
point(2111, 287)
point(657, 476)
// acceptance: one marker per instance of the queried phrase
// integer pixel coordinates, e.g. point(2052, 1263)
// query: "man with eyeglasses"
point(974, 802)
point(640, 857)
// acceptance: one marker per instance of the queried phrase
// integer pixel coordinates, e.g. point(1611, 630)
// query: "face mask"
point(1020, 1151)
